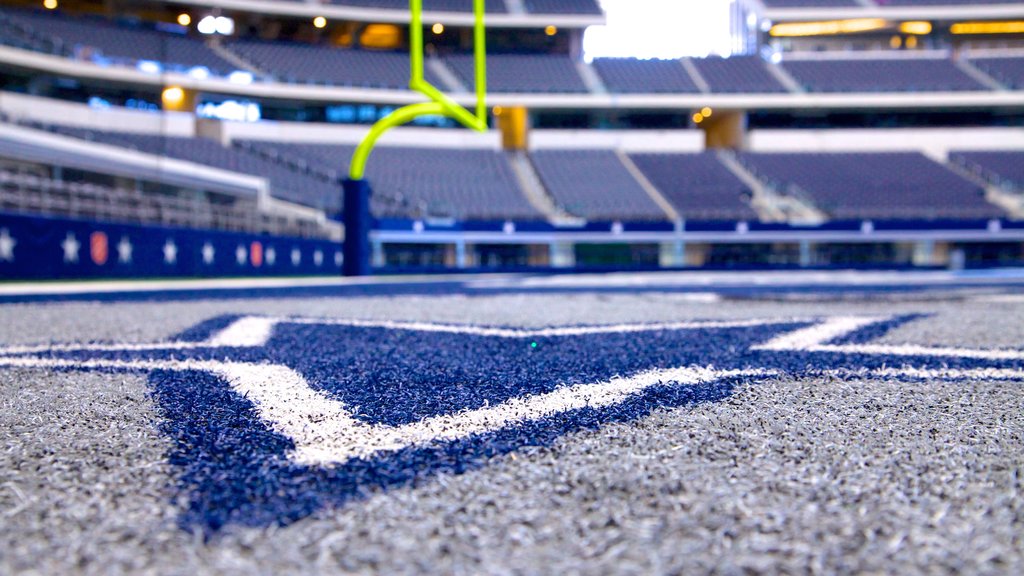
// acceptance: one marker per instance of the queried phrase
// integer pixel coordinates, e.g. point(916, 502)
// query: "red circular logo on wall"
point(99, 248)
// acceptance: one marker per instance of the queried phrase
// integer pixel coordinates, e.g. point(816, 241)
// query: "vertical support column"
point(679, 244)
point(515, 127)
point(562, 254)
point(377, 260)
point(460, 254)
point(805, 253)
point(924, 253)
point(724, 129)
point(356, 217)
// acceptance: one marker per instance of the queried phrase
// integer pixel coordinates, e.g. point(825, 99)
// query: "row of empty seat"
point(873, 185)
point(289, 182)
point(1002, 168)
point(480, 184)
point(99, 39)
point(39, 194)
point(103, 40)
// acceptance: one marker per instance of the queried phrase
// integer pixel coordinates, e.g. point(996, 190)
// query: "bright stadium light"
point(184, 19)
point(207, 25)
point(149, 66)
point(551, 30)
point(50, 4)
point(437, 28)
point(216, 25)
point(240, 77)
point(224, 25)
point(319, 22)
point(916, 27)
point(173, 96)
point(1010, 27)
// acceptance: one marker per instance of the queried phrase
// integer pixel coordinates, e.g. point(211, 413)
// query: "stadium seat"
point(880, 186)
point(93, 38)
point(594, 184)
point(633, 76)
point(1008, 70)
point(522, 73)
point(1004, 168)
point(737, 74)
point(880, 75)
point(698, 186)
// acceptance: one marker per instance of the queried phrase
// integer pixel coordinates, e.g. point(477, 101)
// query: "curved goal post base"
point(357, 220)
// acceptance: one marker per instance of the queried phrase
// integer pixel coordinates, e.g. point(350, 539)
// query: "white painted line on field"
point(325, 433)
point(254, 331)
point(146, 286)
point(101, 347)
point(816, 338)
point(1001, 298)
point(543, 332)
point(244, 332)
point(820, 333)
point(976, 374)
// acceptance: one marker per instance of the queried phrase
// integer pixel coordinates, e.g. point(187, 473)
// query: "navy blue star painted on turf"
point(235, 467)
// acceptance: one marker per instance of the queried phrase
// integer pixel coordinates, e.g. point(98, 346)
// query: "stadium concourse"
point(752, 312)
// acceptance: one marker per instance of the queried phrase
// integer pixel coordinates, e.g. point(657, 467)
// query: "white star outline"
point(170, 251)
point(326, 433)
point(7, 245)
point(71, 247)
point(124, 250)
point(208, 253)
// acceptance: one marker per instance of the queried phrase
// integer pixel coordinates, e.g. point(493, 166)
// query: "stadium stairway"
point(780, 74)
point(695, 75)
point(446, 76)
point(979, 76)
point(591, 78)
point(533, 189)
point(648, 187)
point(215, 45)
point(769, 204)
point(1010, 201)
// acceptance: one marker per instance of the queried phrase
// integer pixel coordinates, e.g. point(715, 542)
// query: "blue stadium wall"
point(33, 247)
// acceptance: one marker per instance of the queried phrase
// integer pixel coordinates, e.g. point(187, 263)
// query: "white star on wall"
point(338, 259)
point(270, 256)
point(296, 257)
point(318, 257)
point(7, 244)
point(208, 253)
point(170, 252)
point(241, 255)
point(70, 245)
point(124, 251)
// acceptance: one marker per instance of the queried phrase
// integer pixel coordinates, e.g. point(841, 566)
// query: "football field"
point(661, 423)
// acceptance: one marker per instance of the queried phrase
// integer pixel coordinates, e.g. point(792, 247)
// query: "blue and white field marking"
point(276, 418)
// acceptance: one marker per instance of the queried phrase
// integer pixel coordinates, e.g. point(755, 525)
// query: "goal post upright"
point(357, 190)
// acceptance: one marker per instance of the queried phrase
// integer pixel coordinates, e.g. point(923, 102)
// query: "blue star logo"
point(273, 419)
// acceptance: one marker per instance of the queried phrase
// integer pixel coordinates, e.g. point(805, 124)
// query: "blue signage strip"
point(36, 247)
